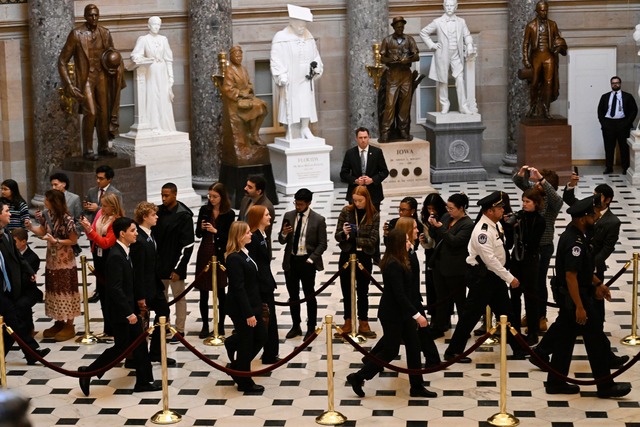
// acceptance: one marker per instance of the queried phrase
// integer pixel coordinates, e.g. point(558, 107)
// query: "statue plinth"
point(633, 173)
point(456, 147)
point(301, 163)
point(546, 144)
point(408, 164)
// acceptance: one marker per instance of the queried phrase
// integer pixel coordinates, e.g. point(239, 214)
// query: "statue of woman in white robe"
point(153, 54)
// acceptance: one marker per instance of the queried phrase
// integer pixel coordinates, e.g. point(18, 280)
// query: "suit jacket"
point(120, 286)
point(376, 170)
point(260, 252)
point(315, 239)
point(450, 255)
point(143, 255)
point(605, 236)
point(93, 197)
point(243, 294)
point(263, 200)
point(18, 270)
point(629, 107)
point(439, 70)
point(32, 259)
point(397, 303)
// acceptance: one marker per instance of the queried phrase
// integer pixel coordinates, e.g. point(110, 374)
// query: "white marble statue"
point(295, 65)
point(453, 46)
point(154, 57)
point(636, 37)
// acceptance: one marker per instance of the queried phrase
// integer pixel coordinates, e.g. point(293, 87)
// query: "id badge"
point(99, 252)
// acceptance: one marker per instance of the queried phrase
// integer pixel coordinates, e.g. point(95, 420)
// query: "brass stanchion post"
point(503, 418)
point(330, 417)
point(166, 416)
point(492, 340)
point(3, 366)
point(87, 338)
point(633, 339)
point(353, 261)
point(215, 339)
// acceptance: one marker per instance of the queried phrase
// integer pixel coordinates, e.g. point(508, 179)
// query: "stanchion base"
point(214, 341)
point(358, 339)
point(331, 418)
point(166, 417)
point(631, 340)
point(491, 341)
point(87, 339)
point(503, 420)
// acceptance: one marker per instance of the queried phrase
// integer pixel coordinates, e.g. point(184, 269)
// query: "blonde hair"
point(406, 224)
point(114, 201)
point(236, 233)
point(143, 209)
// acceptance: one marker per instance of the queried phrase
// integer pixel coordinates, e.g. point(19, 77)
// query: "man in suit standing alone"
point(364, 165)
point(616, 112)
point(302, 257)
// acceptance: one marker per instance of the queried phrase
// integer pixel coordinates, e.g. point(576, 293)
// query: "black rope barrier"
point(315, 293)
point(77, 374)
point(440, 367)
point(547, 367)
point(234, 372)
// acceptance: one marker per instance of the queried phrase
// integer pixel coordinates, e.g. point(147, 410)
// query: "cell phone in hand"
point(353, 228)
point(575, 170)
point(286, 223)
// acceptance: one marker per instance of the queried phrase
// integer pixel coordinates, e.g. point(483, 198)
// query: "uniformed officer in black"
point(577, 290)
point(489, 280)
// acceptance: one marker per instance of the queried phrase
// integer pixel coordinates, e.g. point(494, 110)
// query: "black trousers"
point(246, 343)
point(272, 344)
point(449, 290)
point(100, 265)
point(160, 307)
point(301, 271)
point(15, 319)
point(614, 132)
point(362, 285)
point(488, 290)
point(123, 335)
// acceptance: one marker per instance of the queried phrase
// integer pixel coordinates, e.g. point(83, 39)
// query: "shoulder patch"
point(482, 238)
point(576, 251)
point(484, 227)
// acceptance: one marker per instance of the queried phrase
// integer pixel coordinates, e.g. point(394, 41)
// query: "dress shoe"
point(204, 332)
point(252, 388)
point(270, 360)
point(42, 352)
point(543, 324)
point(614, 390)
point(480, 331)
point(356, 384)
point(170, 361)
point(618, 361)
point(52, 331)
point(85, 382)
point(607, 171)
point(295, 331)
point(174, 339)
point(448, 357)
point(365, 330)
point(94, 298)
point(421, 392)
point(562, 388)
point(145, 387)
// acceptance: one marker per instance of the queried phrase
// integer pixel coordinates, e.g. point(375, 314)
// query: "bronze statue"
point(540, 48)
point(99, 78)
point(243, 115)
point(397, 51)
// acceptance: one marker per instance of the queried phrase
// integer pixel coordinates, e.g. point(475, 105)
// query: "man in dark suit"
point(302, 257)
point(93, 200)
point(150, 290)
point(364, 165)
point(16, 277)
point(121, 300)
point(255, 195)
point(616, 112)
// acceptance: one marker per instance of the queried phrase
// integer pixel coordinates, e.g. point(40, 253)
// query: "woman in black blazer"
point(244, 306)
point(398, 316)
point(259, 219)
point(449, 261)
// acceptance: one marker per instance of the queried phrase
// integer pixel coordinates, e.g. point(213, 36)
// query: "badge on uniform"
point(576, 250)
point(482, 239)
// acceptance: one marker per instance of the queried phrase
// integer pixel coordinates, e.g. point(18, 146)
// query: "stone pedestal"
point(633, 173)
point(408, 164)
point(235, 179)
point(456, 147)
point(301, 163)
point(167, 158)
point(129, 179)
point(546, 144)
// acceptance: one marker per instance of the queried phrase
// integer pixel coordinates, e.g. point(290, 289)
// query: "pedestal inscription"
point(408, 163)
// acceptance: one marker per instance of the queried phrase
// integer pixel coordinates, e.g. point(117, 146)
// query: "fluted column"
point(210, 33)
point(520, 13)
point(56, 133)
point(367, 20)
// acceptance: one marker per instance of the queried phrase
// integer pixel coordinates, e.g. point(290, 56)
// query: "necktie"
point(614, 104)
point(7, 283)
point(363, 162)
point(296, 234)
point(101, 193)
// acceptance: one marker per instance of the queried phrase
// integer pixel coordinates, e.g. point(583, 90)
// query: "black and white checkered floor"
point(295, 394)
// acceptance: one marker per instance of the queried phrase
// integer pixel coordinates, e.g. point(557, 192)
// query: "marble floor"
point(296, 393)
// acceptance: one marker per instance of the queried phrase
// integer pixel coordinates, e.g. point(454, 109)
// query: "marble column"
point(56, 133)
point(520, 13)
point(367, 20)
point(210, 33)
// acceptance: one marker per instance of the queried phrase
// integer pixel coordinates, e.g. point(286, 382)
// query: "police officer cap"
point(582, 208)
point(493, 200)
